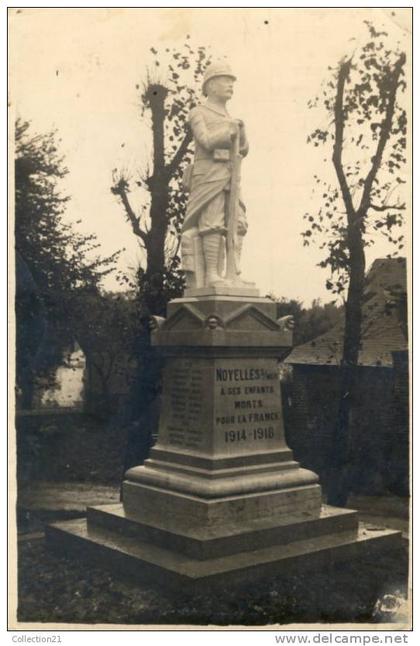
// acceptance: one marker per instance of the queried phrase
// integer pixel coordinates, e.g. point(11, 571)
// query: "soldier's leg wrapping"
point(212, 228)
point(200, 268)
point(238, 253)
point(211, 248)
point(192, 258)
point(241, 230)
point(187, 258)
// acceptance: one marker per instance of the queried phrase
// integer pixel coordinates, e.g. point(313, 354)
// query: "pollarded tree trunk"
point(155, 269)
point(159, 191)
point(340, 466)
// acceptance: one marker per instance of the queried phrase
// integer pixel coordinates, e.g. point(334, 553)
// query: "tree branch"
point(385, 207)
point(121, 190)
point(179, 155)
point(343, 74)
point(385, 132)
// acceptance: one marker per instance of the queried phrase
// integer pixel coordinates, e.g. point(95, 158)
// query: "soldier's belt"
point(221, 154)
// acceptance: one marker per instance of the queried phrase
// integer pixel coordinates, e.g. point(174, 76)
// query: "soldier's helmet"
point(220, 68)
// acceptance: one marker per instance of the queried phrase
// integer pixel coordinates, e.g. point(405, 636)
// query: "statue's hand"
point(233, 129)
point(286, 323)
point(155, 322)
point(236, 127)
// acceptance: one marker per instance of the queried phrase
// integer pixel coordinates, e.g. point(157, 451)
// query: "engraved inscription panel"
point(248, 412)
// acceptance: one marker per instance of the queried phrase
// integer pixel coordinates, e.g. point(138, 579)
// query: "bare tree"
point(367, 135)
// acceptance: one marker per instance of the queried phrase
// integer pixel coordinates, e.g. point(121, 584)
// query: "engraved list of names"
point(185, 404)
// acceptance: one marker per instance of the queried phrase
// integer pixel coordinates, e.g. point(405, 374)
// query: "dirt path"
point(65, 496)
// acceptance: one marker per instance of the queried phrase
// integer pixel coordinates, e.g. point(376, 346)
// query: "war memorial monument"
point(220, 499)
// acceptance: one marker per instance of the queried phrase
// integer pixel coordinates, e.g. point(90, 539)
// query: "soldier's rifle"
point(233, 209)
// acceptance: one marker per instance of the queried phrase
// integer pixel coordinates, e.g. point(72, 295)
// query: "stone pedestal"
point(221, 456)
point(221, 498)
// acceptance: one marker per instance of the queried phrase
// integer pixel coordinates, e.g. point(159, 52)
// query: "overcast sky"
point(76, 70)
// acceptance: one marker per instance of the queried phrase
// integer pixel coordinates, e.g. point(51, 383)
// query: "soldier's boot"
point(238, 281)
point(211, 249)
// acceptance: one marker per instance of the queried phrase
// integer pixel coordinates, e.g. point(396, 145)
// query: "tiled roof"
point(382, 332)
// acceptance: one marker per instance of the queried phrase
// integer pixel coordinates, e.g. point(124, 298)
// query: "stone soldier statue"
point(209, 180)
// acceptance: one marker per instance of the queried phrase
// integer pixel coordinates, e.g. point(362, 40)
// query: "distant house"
point(379, 423)
point(95, 383)
point(57, 398)
point(69, 383)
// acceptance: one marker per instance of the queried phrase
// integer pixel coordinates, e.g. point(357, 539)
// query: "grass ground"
point(72, 448)
point(60, 590)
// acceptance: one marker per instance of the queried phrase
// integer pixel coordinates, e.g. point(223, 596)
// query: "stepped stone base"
point(196, 561)
point(177, 491)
